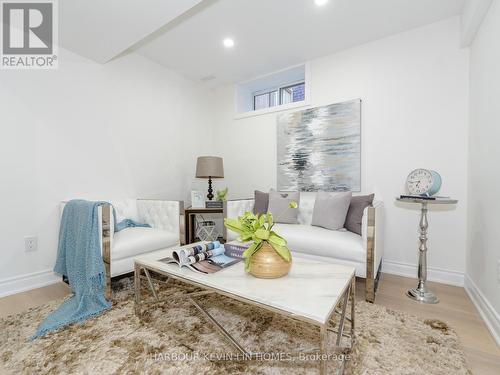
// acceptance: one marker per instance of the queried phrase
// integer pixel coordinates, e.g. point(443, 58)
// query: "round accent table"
point(420, 293)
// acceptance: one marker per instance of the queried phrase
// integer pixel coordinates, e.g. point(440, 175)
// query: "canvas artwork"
point(319, 149)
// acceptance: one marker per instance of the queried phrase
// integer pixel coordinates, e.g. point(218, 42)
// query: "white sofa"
point(119, 249)
point(363, 252)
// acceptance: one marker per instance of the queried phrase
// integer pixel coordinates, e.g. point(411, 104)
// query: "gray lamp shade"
point(209, 166)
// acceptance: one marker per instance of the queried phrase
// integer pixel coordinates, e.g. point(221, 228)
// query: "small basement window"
point(293, 93)
point(279, 96)
point(271, 92)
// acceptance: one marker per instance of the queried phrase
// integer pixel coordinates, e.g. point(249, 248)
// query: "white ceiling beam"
point(101, 30)
point(473, 15)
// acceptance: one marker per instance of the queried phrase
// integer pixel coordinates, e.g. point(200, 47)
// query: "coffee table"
point(314, 292)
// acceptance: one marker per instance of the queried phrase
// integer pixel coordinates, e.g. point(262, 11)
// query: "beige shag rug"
point(173, 338)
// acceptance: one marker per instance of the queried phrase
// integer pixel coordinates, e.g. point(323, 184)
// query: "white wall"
point(128, 128)
point(483, 252)
point(134, 128)
point(414, 88)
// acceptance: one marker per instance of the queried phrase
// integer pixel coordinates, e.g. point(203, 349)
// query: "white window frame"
point(278, 90)
point(284, 107)
point(264, 92)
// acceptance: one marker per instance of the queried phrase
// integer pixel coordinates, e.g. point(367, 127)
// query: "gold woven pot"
point(266, 263)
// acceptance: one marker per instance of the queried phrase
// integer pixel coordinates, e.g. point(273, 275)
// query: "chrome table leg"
point(151, 285)
point(220, 328)
point(137, 290)
point(322, 350)
point(342, 316)
point(421, 293)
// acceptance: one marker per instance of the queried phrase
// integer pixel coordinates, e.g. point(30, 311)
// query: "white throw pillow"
point(330, 210)
point(278, 206)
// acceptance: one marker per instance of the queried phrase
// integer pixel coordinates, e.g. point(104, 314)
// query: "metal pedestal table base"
point(422, 296)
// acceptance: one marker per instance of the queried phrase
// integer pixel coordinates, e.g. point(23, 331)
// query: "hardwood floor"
point(455, 308)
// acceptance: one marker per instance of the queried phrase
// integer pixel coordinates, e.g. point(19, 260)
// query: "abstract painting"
point(319, 149)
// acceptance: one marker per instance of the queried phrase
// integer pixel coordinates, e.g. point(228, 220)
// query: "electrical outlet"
point(30, 243)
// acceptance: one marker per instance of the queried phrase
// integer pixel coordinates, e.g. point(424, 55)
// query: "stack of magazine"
point(207, 257)
point(236, 249)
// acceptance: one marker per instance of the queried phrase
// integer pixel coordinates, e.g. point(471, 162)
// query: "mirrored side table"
point(190, 224)
point(421, 293)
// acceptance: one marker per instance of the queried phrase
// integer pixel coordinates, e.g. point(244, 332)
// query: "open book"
point(207, 257)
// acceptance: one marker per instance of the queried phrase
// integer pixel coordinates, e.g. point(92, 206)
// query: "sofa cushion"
point(354, 218)
point(330, 209)
point(278, 206)
point(261, 202)
point(307, 239)
point(306, 207)
point(135, 241)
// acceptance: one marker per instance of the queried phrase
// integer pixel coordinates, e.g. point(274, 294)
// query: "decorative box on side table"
point(190, 222)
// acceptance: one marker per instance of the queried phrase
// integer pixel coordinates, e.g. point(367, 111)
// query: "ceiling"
point(274, 34)
point(269, 34)
point(101, 30)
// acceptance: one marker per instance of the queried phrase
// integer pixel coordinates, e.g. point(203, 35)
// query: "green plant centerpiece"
point(268, 256)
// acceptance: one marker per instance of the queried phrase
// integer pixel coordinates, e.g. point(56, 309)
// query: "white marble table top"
point(310, 291)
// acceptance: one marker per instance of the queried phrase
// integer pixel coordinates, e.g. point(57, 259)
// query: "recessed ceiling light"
point(228, 43)
point(320, 3)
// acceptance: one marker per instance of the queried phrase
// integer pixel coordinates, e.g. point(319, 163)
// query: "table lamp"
point(209, 167)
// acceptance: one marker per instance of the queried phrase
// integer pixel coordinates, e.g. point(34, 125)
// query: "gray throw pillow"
point(330, 210)
point(261, 202)
point(355, 214)
point(278, 206)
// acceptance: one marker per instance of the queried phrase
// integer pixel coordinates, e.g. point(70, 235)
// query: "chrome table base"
point(420, 293)
point(344, 315)
point(422, 296)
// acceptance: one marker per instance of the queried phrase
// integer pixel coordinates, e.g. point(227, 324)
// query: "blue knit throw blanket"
point(79, 259)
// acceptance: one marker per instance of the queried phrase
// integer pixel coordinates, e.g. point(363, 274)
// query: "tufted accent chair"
point(119, 249)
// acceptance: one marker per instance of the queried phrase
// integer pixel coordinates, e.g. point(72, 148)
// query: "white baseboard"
point(438, 275)
point(26, 282)
point(490, 316)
